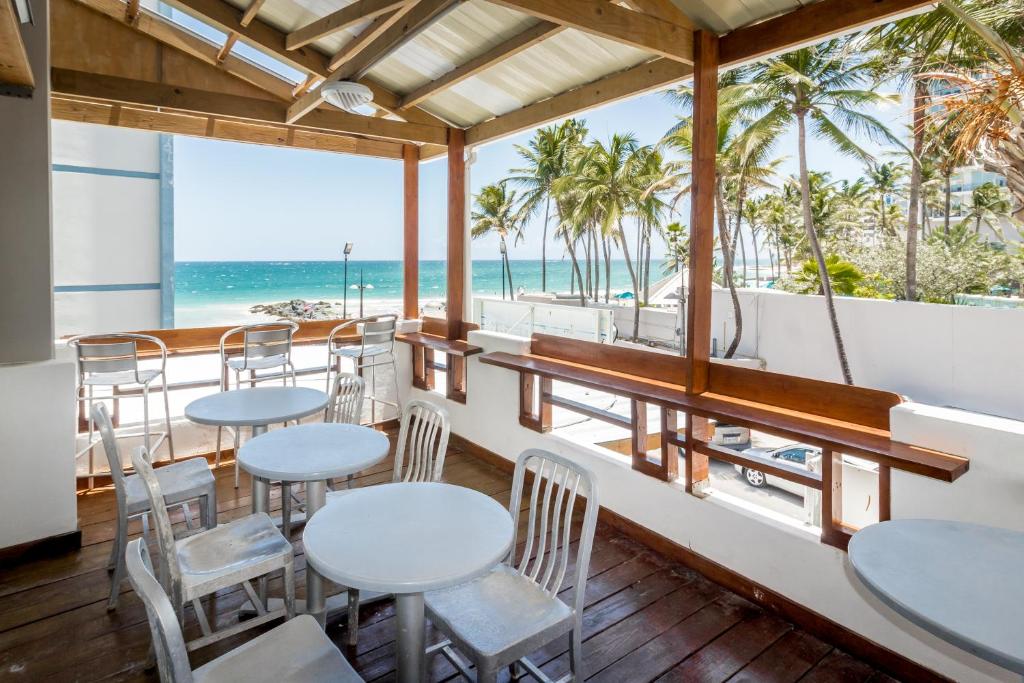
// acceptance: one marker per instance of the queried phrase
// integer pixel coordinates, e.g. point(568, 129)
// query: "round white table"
point(315, 454)
point(257, 407)
point(956, 580)
point(407, 539)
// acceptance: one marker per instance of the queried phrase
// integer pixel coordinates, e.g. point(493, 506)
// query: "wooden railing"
point(431, 340)
point(836, 418)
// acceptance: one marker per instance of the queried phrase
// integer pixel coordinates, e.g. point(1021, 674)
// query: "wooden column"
point(702, 242)
point(411, 213)
point(456, 230)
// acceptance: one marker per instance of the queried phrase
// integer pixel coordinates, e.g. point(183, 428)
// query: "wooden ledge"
point(452, 347)
point(854, 439)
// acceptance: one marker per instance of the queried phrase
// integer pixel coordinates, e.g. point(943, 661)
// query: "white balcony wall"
point(107, 228)
point(781, 557)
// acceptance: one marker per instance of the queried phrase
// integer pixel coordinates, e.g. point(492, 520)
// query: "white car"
point(731, 436)
point(796, 455)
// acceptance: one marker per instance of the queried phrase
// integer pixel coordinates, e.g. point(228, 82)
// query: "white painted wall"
point(779, 556)
point(106, 227)
point(37, 485)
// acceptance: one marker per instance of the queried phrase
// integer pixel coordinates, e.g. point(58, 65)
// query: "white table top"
point(959, 581)
point(313, 452)
point(255, 407)
point(407, 538)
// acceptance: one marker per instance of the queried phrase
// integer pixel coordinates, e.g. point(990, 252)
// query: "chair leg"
point(167, 421)
point(289, 590)
point(576, 656)
point(92, 427)
point(286, 510)
point(120, 543)
point(394, 376)
point(353, 617)
point(238, 431)
point(208, 509)
point(216, 458)
point(486, 675)
point(145, 422)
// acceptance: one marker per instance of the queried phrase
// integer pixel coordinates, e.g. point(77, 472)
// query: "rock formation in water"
point(299, 309)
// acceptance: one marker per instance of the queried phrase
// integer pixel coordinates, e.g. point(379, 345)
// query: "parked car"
point(731, 436)
point(795, 454)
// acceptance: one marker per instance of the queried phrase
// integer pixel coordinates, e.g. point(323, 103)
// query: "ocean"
point(221, 292)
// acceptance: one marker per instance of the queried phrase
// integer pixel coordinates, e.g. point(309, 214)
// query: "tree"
point(989, 205)
point(495, 212)
point(677, 241)
point(825, 88)
point(886, 184)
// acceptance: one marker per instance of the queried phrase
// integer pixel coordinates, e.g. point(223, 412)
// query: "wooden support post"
point(669, 452)
point(832, 531)
point(534, 409)
point(638, 418)
point(884, 493)
point(702, 244)
point(411, 212)
point(456, 378)
point(456, 230)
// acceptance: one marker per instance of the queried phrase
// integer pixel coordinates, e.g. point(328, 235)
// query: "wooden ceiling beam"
point(810, 24)
point(79, 84)
point(117, 114)
point(662, 9)
point(654, 75)
point(225, 18)
point(170, 34)
point(357, 12)
point(365, 38)
point(15, 70)
point(251, 11)
point(605, 20)
point(499, 53)
point(416, 19)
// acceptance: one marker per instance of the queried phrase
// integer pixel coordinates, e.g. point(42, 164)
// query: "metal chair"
point(112, 360)
point(346, 402)
point(419, 456)
point(181, 482)
point(227, 555)
point(499, 619)
point(295, 651)
point(376, 348)
point(265, 346)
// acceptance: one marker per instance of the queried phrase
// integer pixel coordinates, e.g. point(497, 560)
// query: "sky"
point(237, 201)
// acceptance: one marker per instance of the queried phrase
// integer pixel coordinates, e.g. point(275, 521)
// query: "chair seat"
point(501, 616)
point(116, 379)
point(239, 363)
point(298, 650)
point(179, 482)
point(362, 351)
point(230, 553)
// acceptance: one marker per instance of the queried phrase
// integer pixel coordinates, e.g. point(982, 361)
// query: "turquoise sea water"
point(217, 292)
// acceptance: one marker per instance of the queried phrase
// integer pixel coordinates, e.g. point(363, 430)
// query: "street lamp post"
point(361, 287)
point(344, 291)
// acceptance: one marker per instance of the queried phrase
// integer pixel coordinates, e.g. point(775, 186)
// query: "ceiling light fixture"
point(347, 95)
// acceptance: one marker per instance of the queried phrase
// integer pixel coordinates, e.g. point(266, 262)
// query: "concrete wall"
point(785, 558)
point(109, 188)
point(37, 484)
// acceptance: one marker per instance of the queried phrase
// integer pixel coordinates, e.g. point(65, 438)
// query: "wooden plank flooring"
point(646, 618)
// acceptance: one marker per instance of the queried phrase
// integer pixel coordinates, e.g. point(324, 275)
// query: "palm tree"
point(677, 241)
point(495, 212)
point(609, 184)
point(989, 205)
point(822, 86)
point(886, 183)
point(548, 157)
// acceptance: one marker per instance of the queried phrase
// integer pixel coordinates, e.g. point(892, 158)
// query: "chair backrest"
point(379, 330)
point(557, 483)
point(103, 353)
point(422, 442)
point(168, 640)
point(262, 340)
point(170, 570)
point(101, 418)
point(346, 405)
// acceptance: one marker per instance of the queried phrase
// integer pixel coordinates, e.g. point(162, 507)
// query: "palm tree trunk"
point(914, 201)
point(727, 259)
point(544, 248)
point(575, 267)
point(948, 203)
point(647, 269)
point(608, 270)
point(757, 263)
point(508, 269)
point(632, 277)
point(812, 238)
point(586, 252)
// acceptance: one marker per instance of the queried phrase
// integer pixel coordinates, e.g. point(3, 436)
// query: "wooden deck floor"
point(646, 618)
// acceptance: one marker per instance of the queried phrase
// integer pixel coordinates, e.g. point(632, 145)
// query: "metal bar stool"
point(376, 348)
point(112, 360)
point(265, 346)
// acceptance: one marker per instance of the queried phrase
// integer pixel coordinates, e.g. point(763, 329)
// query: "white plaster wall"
point(99, 312)
point(86, 144)
point(960, 356)
point(782, 558)
point(37, 420)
